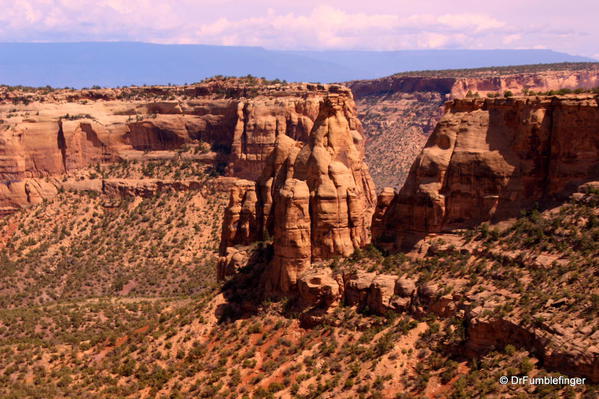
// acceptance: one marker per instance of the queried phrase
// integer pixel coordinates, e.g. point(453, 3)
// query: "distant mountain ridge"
point(113, 64)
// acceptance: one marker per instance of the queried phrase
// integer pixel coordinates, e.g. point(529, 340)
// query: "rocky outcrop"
point(568, 353)
point(147, 187)
point(315, 199)
point(320, 291)
point(489, 159)
point(240, 225)
point(18, 194)
point(233, 125)
point(399, 112)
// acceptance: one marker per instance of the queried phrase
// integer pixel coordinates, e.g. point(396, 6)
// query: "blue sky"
point(568, 26)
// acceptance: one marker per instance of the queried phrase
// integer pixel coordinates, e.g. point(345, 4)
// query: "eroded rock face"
point(239, 224)
point(316, 199)
point(232, 260)
point(319, 289)
point(292, 235)
point(51, 134)
point(384, 200)
point(400, 112)
point(488, 159)
point(26, 192)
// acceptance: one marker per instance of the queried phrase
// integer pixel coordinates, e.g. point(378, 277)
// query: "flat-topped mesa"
point(489, 159)
point(234, 123)
point(315, 199)
point(532, 81)
point(458, 83)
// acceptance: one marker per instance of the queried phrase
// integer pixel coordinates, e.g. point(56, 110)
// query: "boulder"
point(405, 287)
point(357, 288)
point(381, 293)
point(318, 288)
point(229, 264)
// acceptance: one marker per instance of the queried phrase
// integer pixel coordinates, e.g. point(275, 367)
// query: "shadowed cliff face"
point(233, 125)
point(488, 160)
point(315, 199)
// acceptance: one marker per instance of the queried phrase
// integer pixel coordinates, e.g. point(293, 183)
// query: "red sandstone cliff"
point(315, 199)
point(55, 133)
point(489, 159)
point(399, 112)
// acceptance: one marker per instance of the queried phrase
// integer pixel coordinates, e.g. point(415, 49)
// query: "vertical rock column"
point(323, 197)
point(292, 235)
point(315, 199)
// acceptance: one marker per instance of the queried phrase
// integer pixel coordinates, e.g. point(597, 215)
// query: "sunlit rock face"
point(315, 199)
point(489, 159)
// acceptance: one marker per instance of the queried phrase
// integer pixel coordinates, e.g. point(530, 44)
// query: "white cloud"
point(478, 23)
point(171, 21)
point(279, 25)
point(328, 27)
point(511, 39)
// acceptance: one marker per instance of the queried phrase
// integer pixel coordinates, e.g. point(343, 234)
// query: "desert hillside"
point(225, 240)
point(444, 321)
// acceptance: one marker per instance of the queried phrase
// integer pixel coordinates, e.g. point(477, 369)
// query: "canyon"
point(487, 161)
point(226, 238)
point(400, 112)
point(230, 126)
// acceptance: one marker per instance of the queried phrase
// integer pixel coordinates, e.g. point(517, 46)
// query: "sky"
point(566, 26)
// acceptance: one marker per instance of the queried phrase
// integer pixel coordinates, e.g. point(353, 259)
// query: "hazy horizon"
point(117, 42)
point(111, 64)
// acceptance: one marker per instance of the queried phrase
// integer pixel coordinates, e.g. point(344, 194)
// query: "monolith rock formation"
point(315, 199)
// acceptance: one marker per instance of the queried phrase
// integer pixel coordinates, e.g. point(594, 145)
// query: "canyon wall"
point(489, 159)
point(232, 125)
point(399, 112)
point(315, 199)
point(486, 80)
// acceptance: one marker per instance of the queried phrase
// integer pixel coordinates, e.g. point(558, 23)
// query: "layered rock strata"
point(458, 83)
point(231, 124)
point(489, 159)
point(315, 199)
point(399, 112)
